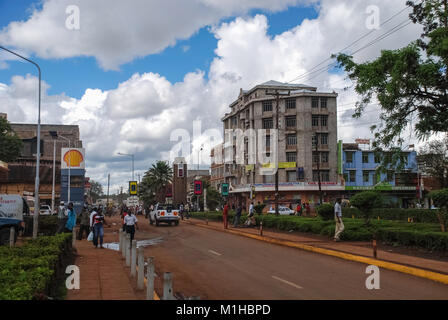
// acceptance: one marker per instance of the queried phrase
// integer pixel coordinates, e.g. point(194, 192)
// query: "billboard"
point(132, 187)
point(73, 158)
point(198, 187)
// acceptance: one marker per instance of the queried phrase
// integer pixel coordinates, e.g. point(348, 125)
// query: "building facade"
point(306, 145)
point(22, 172)
point(359, 169)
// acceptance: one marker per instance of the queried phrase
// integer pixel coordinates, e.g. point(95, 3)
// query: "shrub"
point(326, 211)
point(259, 208)
point(366, 201)
point(48, 225)
point(440, 198)
point(35, 269)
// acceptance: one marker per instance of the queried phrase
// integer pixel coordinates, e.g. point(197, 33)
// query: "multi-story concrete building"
point(22, 172)
point(304, 116)
point(359, 169)
point(217, 167)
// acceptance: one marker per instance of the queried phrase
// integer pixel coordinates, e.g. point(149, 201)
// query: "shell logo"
point(74, 157)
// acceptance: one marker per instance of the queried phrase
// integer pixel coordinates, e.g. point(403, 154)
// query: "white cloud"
point(116, 31)
point(139, 115)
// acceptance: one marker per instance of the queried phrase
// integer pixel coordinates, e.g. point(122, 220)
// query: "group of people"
point(250, 221)
point(301, 209)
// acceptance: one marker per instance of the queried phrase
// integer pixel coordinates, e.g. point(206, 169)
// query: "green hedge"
point(419, 215)
point(424, 235)
point(48, 225)
point(36, 269)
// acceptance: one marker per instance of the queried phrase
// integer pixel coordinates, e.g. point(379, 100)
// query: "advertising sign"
point(132, 187)
point(197, 187)
point(73, 158)
point(225, 189)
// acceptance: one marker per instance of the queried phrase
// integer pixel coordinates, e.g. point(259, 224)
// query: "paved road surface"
point(216, 265)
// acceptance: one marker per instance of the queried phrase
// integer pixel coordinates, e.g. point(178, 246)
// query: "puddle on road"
point(140, 243)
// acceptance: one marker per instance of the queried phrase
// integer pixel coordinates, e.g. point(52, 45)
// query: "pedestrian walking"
point(124, 213)
point(307, 209)
point(62, 217)
point(225, 212)
point(181, 210)
point(131, 224)
point(98, 222)
point(71, 218)
point(299, 209)
point(251, 208)
point(84, 223)
point(250, 221)
point(338, 219)
point(236, 219)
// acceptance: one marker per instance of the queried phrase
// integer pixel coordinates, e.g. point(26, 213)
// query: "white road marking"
point(287, 282)
point(214, 252)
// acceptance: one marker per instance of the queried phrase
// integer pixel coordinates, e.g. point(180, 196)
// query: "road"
point(216, 265)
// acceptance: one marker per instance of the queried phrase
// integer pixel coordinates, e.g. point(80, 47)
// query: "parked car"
point(284, 211)
point(45, 210)
point(166, 213)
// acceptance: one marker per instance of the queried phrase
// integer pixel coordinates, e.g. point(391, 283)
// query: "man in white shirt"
point(62, 217)
point(338, 218)
point(130, 222)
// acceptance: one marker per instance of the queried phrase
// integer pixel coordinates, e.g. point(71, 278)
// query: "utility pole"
point(316, 143)
point(108, 183)
point(277, 94)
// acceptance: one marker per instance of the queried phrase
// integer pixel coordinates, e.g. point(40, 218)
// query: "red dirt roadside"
point(103, 274)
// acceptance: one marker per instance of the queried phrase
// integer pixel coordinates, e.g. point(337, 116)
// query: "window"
point(301, 173)
point(268, 123)
point(365, 157)
point(291, 156)
point(291, 140)
point(290, 103)
point(315, 121)
point(315, 157)
point(268, 141)
point(349, 157)
point(323, 103)
point(314, 140)
point(290, 122)
point(324, 121)
point(346, 177)
point(325, 176)
point(269, 178)
point(324, 157)
point(324, 138)
point(390, 176)
point(365, 176)
point(291, 176)
point(233, 121)
point(314, 102)
point(376, 177)
point(352, 176)
point(267, 106)
point(377, 158)
point(315, 176)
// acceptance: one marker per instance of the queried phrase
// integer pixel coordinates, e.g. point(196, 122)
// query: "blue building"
point(359, 165)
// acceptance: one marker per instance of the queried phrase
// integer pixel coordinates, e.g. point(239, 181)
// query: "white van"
point(12, 209)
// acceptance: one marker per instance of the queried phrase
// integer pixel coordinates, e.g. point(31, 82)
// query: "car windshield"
point(167, 207)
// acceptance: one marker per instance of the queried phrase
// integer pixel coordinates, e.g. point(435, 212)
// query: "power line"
point(351, 44)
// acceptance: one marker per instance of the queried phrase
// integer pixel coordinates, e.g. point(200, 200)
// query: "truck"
point(12, 209)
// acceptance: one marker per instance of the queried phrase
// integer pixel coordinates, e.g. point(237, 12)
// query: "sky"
point(130, 73)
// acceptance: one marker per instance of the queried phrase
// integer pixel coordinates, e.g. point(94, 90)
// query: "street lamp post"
point(132, 157)
point(199, 152)
point(36, 184)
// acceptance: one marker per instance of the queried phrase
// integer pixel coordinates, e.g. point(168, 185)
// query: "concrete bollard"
point(141, 268)
point(123, 244)
point(128, 249)
point(261, 228)
point(150, 279)
point(133, 258)
point(12, 235)
point(120, 240)
point(167, 286)
point(74, 237)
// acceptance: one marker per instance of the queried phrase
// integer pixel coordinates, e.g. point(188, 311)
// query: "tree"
point(10, 143)
point(408, 82)
point(366, 201)
point(433, 160)
point(96, 190)
point(440, 199)
point(156, 179)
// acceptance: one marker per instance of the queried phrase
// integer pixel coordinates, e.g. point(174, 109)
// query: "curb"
point(434, 276)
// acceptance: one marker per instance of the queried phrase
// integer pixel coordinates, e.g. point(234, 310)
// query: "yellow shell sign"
point(73, 158)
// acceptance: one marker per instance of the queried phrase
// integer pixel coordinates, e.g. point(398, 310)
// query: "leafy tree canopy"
point(10, 144)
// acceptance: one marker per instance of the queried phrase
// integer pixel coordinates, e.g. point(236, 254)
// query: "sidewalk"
point(357, 248)
point(103, 274)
